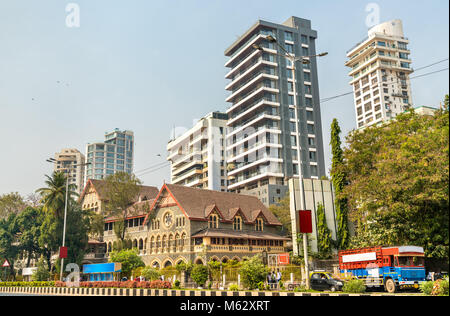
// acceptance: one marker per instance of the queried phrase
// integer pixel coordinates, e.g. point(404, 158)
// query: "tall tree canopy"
point(11, 203)
point(398, 186)
point(121, 190)
point(282, 211)
point(54, 194)
point(339, 179)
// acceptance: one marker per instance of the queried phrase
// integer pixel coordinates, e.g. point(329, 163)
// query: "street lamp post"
point(305, 60)
point(67, 171)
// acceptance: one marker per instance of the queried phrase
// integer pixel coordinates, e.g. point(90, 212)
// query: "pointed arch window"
point(213, 221)
point(259, 225)
point(237, 223)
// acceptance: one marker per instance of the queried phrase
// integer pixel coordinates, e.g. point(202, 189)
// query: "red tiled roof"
point(198, 202)
point(146, 192)
point(138, 209)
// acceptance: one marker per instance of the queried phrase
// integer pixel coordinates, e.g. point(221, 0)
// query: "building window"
point(290, 48)
point(288, 36)
point(213, 221)
point(304, 39)
point(237, 223)
point(259, 225)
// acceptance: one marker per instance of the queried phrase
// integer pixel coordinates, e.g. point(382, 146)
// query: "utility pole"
point(305, 60)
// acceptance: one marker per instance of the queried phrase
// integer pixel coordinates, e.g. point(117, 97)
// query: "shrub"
point(130, 260)
point(150, 273)
point(176, 284)
point(199, 274)
point(233, 287)
point(354, 286)
point(252, 272)
point(440, 288)
point(41, 273)
point(260, 286)
point(427, 287)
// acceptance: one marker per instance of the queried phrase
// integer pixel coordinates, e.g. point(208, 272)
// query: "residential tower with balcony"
point(70, 161)
point(113, 155)
point(261, 128)
point(380, 69)
point(197, 156)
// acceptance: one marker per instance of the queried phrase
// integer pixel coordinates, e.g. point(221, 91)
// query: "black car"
point(323, 281)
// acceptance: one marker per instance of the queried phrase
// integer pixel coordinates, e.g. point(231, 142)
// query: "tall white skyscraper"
point(197, 156)
point(380, 69)
point(70, 160)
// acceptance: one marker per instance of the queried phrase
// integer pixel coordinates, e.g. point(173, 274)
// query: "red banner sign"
point(283, 259)
point(304, 224)
point(62, 252)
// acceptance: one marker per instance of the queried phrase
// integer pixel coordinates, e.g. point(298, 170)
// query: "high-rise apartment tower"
point(261, 136)
point(380, 69)
point(114, 154)
point(197, 156)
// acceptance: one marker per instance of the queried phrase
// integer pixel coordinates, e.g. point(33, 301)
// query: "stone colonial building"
point(93, 198)
point(197, 225)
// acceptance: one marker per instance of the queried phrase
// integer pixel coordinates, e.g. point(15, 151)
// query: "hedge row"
point(28, 284)
point(157, 284)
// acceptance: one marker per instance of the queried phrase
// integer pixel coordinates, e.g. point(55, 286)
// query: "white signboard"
point(369, 256)
point(28, 271)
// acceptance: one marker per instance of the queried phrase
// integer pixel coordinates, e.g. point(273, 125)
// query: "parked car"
point(324, 281)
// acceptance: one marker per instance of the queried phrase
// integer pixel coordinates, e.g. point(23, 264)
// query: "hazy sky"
point(149, 65)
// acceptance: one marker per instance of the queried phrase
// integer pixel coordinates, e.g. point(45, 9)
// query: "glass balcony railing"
point(273, 112)
point(267, 83)
point(266, 70)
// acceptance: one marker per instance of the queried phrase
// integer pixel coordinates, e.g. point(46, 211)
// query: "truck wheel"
point(390, 286)
point(333, 289)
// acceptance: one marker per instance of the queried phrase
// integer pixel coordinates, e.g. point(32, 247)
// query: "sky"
point(149, 66)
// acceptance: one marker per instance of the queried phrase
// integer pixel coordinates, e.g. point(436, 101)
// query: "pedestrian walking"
point(278, 276)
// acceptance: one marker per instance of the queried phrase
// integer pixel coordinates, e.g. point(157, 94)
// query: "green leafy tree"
point(199, 274)
point(282, 211)
point(121, 190)
point(77, 234)
point(184, 267)
point(324, 242)
point(252, 272)
point(41, 273)
point(214, 269)
point(398, 182)
point(11, 203)
point(28, 226)
point(150, 273)
point(339, 180)
point(53, 196)
point(9, 249)
point(129, 258)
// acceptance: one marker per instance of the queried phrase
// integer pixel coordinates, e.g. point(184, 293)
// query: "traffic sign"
point(5, 264)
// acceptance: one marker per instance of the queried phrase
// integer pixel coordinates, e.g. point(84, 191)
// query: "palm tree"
point(53, 196)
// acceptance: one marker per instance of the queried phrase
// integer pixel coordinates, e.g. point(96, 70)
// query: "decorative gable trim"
point(156, 203)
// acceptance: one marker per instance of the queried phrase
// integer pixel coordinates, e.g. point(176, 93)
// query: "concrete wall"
point(315, 192)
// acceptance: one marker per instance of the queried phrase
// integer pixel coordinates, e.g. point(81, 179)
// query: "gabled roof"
point(196, 203)
point(138, 209)
point(146, 192)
